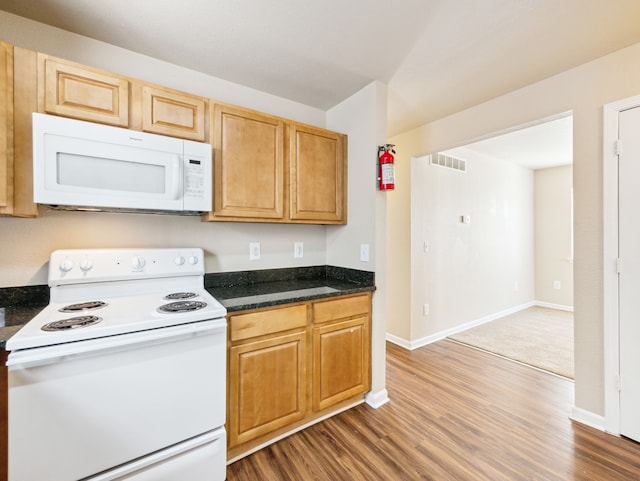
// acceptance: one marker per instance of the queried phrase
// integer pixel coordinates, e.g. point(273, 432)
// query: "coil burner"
point(174, 296)
point(182, 306)
point(83, 306)
point(71, 323)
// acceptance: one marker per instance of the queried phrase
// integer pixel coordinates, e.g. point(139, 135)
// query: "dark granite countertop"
point(238, 291)
point(18, 305)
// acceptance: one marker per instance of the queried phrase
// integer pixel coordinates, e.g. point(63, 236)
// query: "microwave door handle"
point(177, 177)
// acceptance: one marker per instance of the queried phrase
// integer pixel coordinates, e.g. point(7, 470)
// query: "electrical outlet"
point(364, 252)
point(425, 310)
point(254, 251)
point(556, 285)
point(298, 249)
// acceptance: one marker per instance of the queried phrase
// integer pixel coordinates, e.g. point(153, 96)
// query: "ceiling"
point(547, 144)
point(436, 56)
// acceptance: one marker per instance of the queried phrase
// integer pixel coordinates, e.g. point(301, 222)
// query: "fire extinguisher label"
point(387, 174)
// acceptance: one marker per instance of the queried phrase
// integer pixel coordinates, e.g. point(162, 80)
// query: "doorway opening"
point(515, 233)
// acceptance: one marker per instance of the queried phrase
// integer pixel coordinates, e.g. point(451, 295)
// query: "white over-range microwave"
point(83, 165)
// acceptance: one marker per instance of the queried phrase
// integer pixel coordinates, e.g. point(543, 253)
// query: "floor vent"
point(449, 162)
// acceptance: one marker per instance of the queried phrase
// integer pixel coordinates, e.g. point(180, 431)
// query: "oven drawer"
point(203, 457)
point(86, 412)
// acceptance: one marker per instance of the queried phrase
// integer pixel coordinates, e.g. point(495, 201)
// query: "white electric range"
point(123, 375)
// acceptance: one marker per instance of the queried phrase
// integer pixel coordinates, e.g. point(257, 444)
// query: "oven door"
point(79, 409)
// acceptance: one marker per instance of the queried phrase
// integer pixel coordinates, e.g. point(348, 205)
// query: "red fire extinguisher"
point(386, 172)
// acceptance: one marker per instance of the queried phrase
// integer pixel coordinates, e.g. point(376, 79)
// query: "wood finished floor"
point(456, 414)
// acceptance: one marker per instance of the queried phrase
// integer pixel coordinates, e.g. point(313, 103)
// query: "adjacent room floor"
point(456, 414)
point(538, 336)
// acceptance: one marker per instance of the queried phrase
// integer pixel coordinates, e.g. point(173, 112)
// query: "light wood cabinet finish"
point(261, 323)
point(173, 113)
point(19, 92)
point(248, 165)
point(341, 352)
point(340, 361)
point(268, 169)
point(318, 174)
point(267, 384)
point(6, 126)
point(84, 93)
point(277, 384)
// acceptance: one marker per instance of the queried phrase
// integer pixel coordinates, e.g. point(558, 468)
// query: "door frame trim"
point(611, 320)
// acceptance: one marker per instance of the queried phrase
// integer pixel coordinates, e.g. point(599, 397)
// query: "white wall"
point(582, 90)
point(471, 270)
point(553, 253)
point(363, 118)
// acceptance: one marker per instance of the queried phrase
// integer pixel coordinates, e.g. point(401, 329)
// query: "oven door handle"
point(29, 358)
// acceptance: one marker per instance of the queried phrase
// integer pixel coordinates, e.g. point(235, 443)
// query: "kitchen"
point(227, 245)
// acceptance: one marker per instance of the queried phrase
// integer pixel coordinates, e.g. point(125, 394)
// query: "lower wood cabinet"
point(293, 364)
point(268, 387)
point(340, 361)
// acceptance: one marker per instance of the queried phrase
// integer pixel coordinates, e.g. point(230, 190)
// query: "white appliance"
point(123, 375)
point(83, 165)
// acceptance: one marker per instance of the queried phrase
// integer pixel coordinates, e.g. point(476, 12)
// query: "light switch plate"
point(364, 252)
point(254, 251)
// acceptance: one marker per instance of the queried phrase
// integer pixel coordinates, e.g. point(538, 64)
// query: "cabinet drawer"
point(253, 324)
point(340, 308)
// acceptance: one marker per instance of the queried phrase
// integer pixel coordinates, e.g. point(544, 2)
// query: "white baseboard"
point(588, 418)
point(398, 341)
point(553, 306)
point(377, 399)
point(411, 345)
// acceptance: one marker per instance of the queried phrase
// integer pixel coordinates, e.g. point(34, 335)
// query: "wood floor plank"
point(456, 414)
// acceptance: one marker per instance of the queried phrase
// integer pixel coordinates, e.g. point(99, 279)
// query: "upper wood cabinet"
point(6, 126)
point(267, 169)
point(84, 93)
point(173, 113)
point(18, 94)
point(248, 165)
point(317, 174)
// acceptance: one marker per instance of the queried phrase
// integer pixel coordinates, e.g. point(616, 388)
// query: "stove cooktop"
point(120, 297)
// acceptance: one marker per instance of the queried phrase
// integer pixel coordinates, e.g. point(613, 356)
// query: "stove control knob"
point(66, 265)
point(179, 260)
point(86, 265)
point(193, 260)
point(138, 262)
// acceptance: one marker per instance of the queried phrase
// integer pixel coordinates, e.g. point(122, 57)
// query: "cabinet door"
point(83, 93)
point(248, 165)
point(267, 381)
point(6, 124)
point(341, 361)
point(173, 113)
point(318, 175)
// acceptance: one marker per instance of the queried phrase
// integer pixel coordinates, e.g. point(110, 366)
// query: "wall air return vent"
point(449, 162)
